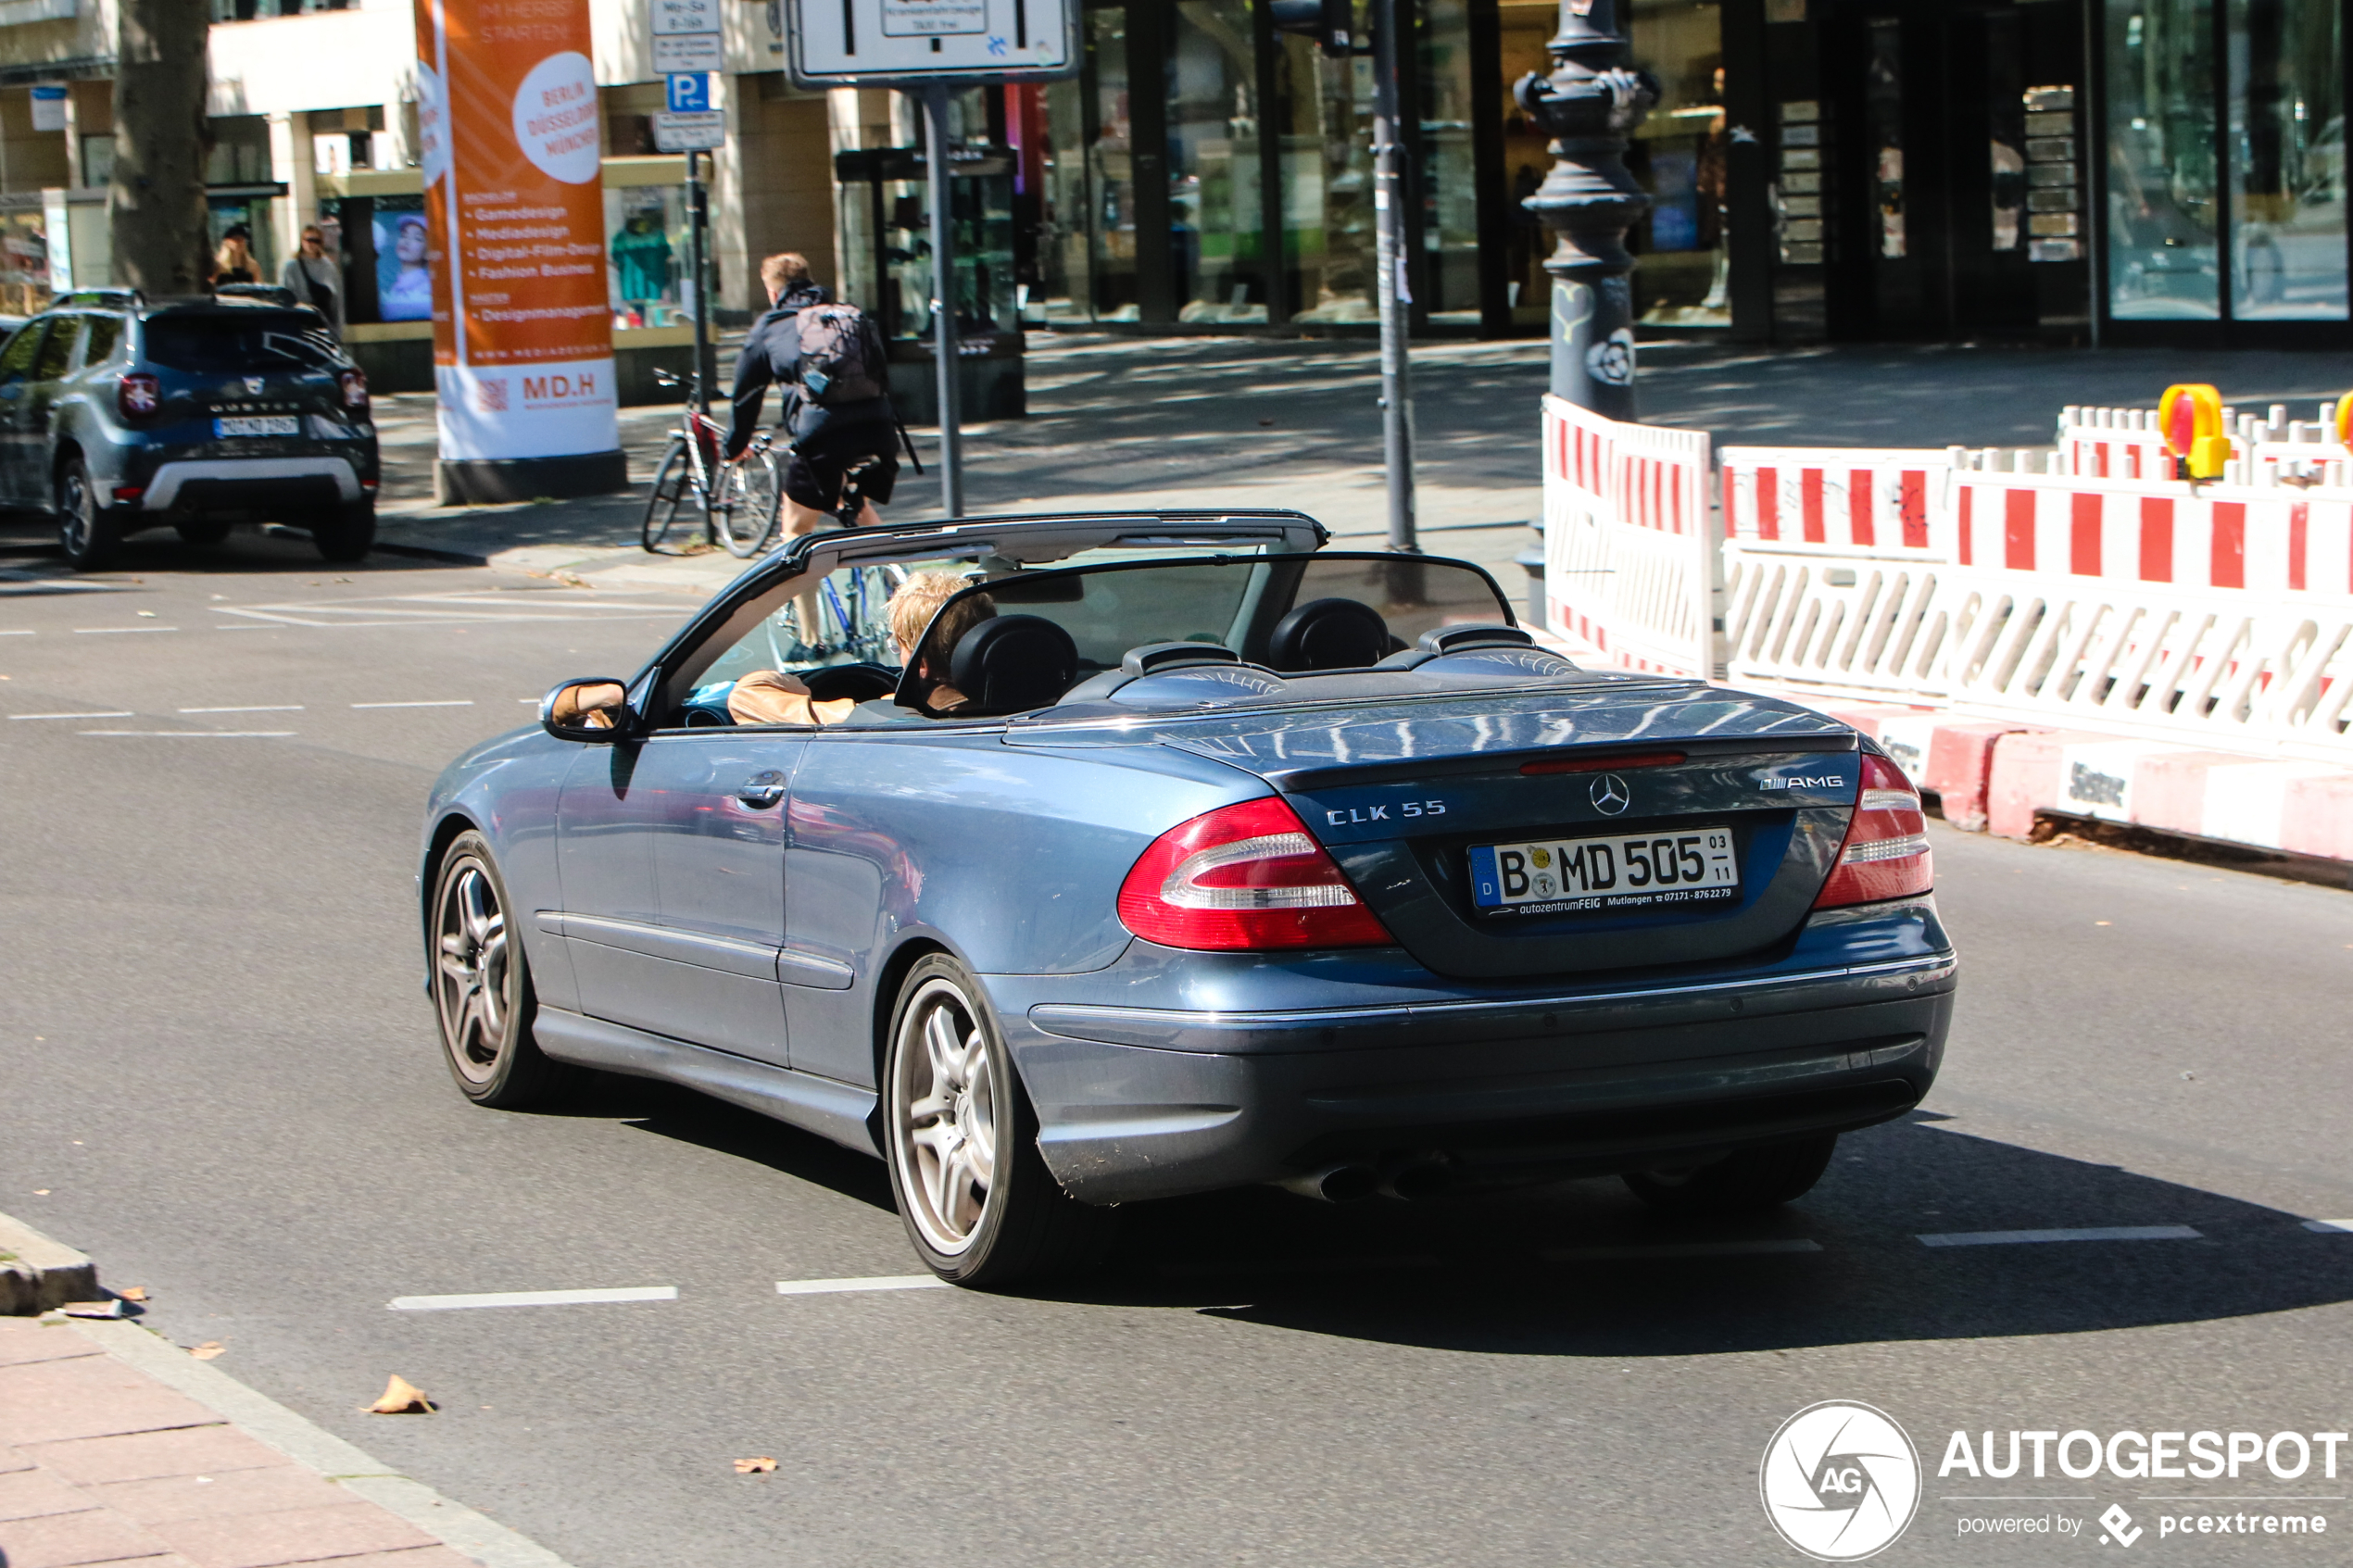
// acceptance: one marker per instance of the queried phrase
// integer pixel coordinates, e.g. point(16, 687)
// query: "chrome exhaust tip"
point(1334, 1183)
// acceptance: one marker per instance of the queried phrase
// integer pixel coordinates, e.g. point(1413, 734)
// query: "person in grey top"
point(315, 279)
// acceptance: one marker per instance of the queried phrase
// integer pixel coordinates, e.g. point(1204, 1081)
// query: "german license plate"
point(1638, 870)
point(255, 424)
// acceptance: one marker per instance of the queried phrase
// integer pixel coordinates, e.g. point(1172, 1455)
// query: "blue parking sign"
point(690, 91)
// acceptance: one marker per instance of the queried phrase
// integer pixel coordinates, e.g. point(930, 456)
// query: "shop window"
point(1683, 274)
point(24, 257)
point(647, 251)
point(256, 10)
point(1447, 175)
point(1524, 25)
point(1216, 215)
point(382, 244)
point(1109, 135)
point(2287, 161)
point(1329, 236)
point(2163, 259)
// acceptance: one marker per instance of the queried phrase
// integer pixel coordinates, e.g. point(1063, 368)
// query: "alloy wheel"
point(945, 1116)
point(470, 970)
point(76, 518)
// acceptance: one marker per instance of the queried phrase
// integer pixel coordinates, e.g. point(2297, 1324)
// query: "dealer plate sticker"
point(1638, 870)
point(256, 424)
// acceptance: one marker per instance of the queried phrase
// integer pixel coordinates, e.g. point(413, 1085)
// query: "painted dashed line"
point(845, 1286)
point(262, 707)
point(28, 718)
point(457, 702)
point(16, 632)
point(193, 734)
point(2087, 1232)
point(108, 631)
point(2330, 1227)
point(533, 1298)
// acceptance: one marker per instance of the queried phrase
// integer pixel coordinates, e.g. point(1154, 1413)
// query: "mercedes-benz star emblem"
point(1610, 795)
point(253, 385)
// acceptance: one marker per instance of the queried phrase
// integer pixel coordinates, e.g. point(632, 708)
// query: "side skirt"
point(831, 1110)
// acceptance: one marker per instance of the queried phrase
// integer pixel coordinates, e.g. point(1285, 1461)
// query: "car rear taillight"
point(1886, 853)
point(1245, 878)
point(355, 389)
point(138, 395)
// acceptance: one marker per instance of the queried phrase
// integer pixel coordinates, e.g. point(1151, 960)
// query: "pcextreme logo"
point(1841, 1481)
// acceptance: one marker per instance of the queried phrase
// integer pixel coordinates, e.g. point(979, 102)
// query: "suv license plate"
point(1638, 870)
point(256, 424)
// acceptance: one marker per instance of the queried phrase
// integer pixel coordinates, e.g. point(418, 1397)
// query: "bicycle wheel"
point(670, 484)
point(749, 492)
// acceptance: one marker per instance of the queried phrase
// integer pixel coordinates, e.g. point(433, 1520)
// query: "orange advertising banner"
point(512, 149)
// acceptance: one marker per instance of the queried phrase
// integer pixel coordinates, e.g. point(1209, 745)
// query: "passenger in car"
point(776, 697)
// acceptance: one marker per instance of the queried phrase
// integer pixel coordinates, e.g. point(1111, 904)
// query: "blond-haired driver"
point(774, 696)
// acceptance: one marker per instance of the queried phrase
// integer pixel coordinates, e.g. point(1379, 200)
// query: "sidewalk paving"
point(1213, 422)
point(101, 1462)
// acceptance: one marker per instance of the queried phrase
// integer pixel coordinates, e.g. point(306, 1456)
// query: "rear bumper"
point(225, 483)
point(1136, 1103)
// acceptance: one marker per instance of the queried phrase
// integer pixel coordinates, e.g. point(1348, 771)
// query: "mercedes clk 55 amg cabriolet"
point(1178, 852)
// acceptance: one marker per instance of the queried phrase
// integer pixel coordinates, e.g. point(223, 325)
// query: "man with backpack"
point(829, 360)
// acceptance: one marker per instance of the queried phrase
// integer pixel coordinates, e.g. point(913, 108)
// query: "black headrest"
point(1329, 635)
point(1012, 663)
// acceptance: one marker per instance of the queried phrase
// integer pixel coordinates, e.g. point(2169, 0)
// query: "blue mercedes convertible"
point(1096, 858)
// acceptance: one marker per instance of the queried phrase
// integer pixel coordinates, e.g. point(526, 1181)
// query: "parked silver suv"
point(119, 413)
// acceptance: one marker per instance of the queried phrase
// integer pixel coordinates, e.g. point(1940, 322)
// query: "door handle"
point(763, 790)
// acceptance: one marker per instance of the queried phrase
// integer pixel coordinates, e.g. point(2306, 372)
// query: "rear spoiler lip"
point(1304, 780)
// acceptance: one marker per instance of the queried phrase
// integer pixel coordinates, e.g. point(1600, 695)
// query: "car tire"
point(201, 530)
point(87, 533)
point(482, 990)
point(1744, 1182)
point(347, 533)
point(961, 1138)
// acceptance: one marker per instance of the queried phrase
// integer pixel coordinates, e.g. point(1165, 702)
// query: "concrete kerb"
point(37, 1274)
point(258, 1416)
point(60, 1274)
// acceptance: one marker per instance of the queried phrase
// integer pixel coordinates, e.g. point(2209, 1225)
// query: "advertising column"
point(521, 325)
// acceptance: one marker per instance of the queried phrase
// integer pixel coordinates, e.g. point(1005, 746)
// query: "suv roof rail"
point(267, 293)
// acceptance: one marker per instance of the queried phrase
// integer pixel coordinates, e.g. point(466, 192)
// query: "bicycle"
point(850, 603)
point(739, 501)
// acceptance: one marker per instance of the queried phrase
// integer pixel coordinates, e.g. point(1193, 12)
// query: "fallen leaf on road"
point(132, 1293)
point(91, 1309)
point(759, 1466)
point(39, 1192)
point(208, 1350)
point(401, 1397)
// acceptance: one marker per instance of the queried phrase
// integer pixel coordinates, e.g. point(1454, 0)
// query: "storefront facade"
point(2059, 170)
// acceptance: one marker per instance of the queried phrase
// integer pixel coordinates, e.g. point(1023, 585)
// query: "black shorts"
point(813, 471)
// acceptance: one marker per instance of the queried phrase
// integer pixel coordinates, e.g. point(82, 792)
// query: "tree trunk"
point(162, 138)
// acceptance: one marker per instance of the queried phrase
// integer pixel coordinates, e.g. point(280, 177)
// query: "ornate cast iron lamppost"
point(1588, 106)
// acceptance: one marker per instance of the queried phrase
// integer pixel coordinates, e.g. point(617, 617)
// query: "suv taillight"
point(1245, 878)
point(355, 389)
point(1886, 853)
point(138, 395)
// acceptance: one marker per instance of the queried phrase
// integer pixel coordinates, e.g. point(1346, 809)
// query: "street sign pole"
point(1391, 288)
point(704, 368)
point(943, 301)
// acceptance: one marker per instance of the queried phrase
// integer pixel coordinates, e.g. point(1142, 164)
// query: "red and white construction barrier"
point(2202, 537)
point(1629, 567)
point(1867, 500)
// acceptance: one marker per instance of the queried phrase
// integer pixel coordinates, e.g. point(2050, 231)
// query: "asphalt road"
point(220, 1078)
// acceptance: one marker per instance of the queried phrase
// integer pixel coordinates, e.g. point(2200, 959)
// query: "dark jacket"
point(771, 356)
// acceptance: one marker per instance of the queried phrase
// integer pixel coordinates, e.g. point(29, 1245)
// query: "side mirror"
point(595, 712)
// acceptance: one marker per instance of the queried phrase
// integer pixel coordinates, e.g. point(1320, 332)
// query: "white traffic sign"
point(906, 42)
point(687, 36)
point(697, 132)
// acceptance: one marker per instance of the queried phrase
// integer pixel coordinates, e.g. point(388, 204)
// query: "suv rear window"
point(242, 341)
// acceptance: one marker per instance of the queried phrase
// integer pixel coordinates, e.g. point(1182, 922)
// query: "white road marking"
point(265, 708)
point(461, 702)
point(2328, 1227)
point(2087, 1232)
point(840, 1286)
point(104, 631)
point(16, 717)
point(1686, 1249)
point(16, 632)
point(532, 1299)
point(196, 734)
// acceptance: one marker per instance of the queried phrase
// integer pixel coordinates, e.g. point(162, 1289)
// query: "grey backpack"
point(834, 347)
